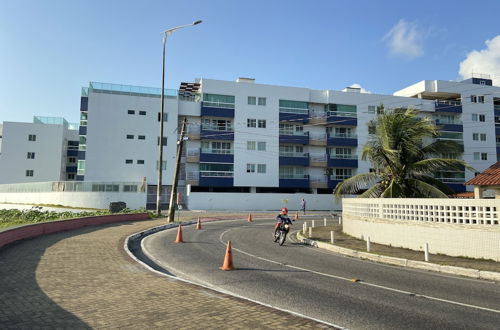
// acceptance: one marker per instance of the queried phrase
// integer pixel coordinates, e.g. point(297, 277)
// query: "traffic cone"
point(179, 235)
point(198, 224)
point(228, 259)
point(249, 217)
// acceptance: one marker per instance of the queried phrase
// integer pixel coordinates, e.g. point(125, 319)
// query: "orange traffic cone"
point(228, 259)
point(179, 235)
point(198, 224)
point(249, 217)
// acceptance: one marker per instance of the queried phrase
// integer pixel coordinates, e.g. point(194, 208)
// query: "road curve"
point(321, 284)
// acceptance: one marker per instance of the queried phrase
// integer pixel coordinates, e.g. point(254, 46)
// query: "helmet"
point(284, 210)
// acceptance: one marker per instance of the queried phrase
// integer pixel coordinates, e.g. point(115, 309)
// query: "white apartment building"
point(45, 150)
point(255, 143)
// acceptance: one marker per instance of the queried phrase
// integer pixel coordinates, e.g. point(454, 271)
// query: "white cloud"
point(361, 89)
point(486, 61)
point(405, 39)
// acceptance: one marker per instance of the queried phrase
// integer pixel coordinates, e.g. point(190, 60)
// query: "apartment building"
point(260, 140)
point(45, 150)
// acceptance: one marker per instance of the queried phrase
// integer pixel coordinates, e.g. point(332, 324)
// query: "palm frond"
point(425, 190)
point(355, 184)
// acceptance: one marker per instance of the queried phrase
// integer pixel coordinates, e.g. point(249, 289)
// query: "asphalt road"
point(320, 284)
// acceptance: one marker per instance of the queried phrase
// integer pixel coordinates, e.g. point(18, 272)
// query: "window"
point(216, 125)
point(251, 123)
point(164, 142)
point(480, 99)
point(251, 145)
point(218, 101)
point(32, 137)
point(250, 168)
point(128, 161)
point(131, 112)
point(252, 100)
point(477, 155)
point(163, 165)
point(71, 160)
point(141, 137)
point(215, 147)
point(262, 101)
point(130, 136)
point(484, 156)
point(129, 188)
point(344, 153)
point(473, 98)
point(261, 146)
point(474, 117)
point(165, 117)
point(343, 131)
point(371, 109)
point(261, 168)
point(475, 136)
point(112, 187)
point(343, 173)
point(482, 118)
point(262, 123)
point(140, 161)
point(31, 155)
point(70, 176)
point(29, 172)
point(480, 156)
point(482, 136)
point(142, 113)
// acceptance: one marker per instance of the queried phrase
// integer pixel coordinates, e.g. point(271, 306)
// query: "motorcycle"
point(280, 234)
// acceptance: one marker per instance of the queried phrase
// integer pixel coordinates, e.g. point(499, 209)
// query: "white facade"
point(34, 152)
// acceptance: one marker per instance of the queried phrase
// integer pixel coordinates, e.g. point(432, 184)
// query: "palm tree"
point(403, 163)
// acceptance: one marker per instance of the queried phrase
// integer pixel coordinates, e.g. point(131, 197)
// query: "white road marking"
point(361, 282)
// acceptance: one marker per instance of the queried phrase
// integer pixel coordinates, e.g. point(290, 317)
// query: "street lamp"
point(166, 33)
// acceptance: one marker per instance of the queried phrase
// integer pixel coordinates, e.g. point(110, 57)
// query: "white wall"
point(98, 200)
point(259, 202)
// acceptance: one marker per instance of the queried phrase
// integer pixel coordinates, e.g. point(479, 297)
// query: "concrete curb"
point(467, 272)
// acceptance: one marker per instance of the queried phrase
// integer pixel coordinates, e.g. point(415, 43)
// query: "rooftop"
point(490, 177)
point(98, 87)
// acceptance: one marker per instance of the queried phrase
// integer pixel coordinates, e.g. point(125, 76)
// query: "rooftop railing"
point(99, 87)
point(218, 105)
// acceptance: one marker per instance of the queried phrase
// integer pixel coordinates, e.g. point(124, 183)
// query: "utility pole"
point(173, 192)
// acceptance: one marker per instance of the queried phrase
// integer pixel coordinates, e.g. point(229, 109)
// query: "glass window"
point(475, 136)
point(251, 145)
point(130, 136)
point(131, 112)
point(474, 117)
point(482, 118)
point(261, 168)
point(473, 98)
point(164, 142)
point(252, 100)
point(286, 129)
point(129, 188)
point(477, 155)
point(250, 168)
point(371, 109)
point(29, 172)
point(480, 99)
point(112, 187)
point(482, 137)
point(484, 156)
point(142, 113)
point(261, 146)
point(262, 101)
point(251, 122)
point(221, 101)
point(140, 161)
point(98, 187)
point(71, 160)
point(32, 137)
point(31, 155)
point(141, 137)
point(262, 123)
point(128, 161)
point(70, 176)
point(163, 165)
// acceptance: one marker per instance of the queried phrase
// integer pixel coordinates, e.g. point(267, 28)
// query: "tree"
point(404, 159)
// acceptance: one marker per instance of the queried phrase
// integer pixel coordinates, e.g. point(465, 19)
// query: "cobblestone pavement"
point(83, 279)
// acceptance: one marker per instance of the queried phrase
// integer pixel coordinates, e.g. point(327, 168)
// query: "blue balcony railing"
point(291, 158)
point(296, 138)
point(294, 181)
point(342, 140)
point(448, 106)
point(215, 109)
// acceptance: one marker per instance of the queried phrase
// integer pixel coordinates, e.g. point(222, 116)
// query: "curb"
point(467, 272)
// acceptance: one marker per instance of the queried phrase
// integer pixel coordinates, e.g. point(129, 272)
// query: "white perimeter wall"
point(259, 202)
point(99, 200)
point(410, 223)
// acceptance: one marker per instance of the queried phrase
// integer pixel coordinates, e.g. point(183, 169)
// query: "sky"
point(50, 49)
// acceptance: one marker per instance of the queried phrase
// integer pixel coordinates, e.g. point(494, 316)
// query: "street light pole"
point(166, 33)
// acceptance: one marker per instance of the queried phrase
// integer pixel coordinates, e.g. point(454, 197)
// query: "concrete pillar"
point(478, 192)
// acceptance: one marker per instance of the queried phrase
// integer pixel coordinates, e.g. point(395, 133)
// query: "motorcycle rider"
point(282, 218)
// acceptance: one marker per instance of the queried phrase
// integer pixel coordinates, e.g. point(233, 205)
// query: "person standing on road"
point(303, 205)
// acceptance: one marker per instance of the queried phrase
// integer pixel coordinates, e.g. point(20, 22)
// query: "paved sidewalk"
point(83, 279)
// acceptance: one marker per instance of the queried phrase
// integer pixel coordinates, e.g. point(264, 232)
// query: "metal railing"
point(301, 111)
point(217, 128)
point(293, 154)
point(226, 174)
point(451, 180)
point(448, 122)
point(223, 105)
point(71, 186)
point(217, 151)
point(318, 158)
point(343, 156)
point(448, 102)
point(295, 176)
point(342, 135)
point(342, 114)
point(292, 132)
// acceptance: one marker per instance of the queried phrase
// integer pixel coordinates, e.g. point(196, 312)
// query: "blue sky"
point(50, 49)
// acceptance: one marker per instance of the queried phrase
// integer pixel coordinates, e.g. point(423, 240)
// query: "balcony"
point(82, 130)
point(497, 130)
point(294, 137)
point(193, 132)
point(71, 169)
point(193, 156)
point(342, 118)
point(342, 161)
point(496, 109)
point(72, 153)
point(450, 126)
point(217, 109)
point(319, 160)
point(193, 178)
point(318, 181)
point(294, 181)
point(216, 178)
point(318, 119)
point(217, 156)
point(212, 132)
point(342, 140)
point(294, 158)
point(317, 139)
point(448, 106)
point(298, 115)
